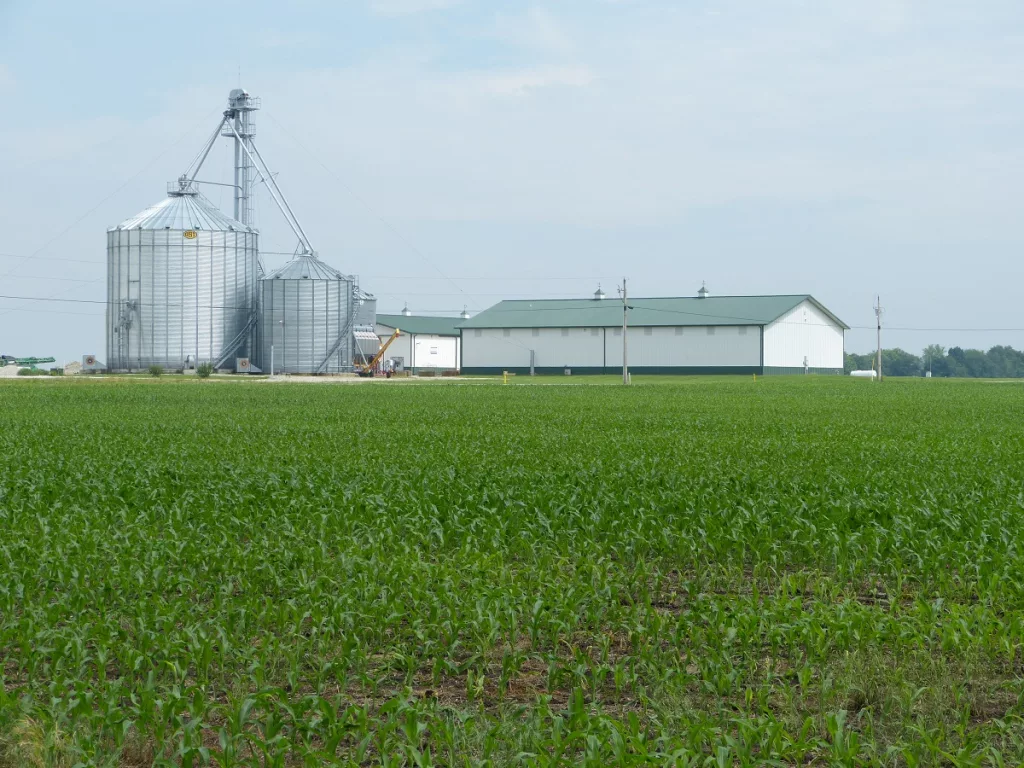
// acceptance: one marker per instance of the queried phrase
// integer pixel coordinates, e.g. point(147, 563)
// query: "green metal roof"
point(437, 326)
point(603, 313)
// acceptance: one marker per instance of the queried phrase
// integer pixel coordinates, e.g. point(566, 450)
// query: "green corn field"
point(724, 572)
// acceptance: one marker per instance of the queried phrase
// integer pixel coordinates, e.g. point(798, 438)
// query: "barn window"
point(743, 330)
point(565, 331)
point(478, 332)
point(536, 331)
point(648, 331)
point(711, 330)
point(433, 350)
point(593, 331)
point(679, 330)
point(618, 331)
point(506, 332)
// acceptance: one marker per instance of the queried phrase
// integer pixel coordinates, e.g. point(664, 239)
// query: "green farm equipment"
point(24, 362)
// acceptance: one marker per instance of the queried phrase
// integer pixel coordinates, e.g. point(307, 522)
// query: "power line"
point(56, 279)
point(55, 312)
point(552, 309)
point(98, 301)
point(54, 296)
point(527, 278)
point(381, 219)
point(53, 258)
point(495, 277)
point(104, 200)
point(88, 213)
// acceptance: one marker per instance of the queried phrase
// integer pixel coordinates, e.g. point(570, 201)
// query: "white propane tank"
point(863, 374)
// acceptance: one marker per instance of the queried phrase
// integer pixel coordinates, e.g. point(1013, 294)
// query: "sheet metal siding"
point(366, 313)
point(302, 319)
point(657, 311)
point(191, 296)
point(414, 348)
point(803, 331)
point(732, 346)
point(445, 357)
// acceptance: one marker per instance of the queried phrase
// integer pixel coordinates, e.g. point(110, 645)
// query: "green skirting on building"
point(771, 370)
point(668, 370)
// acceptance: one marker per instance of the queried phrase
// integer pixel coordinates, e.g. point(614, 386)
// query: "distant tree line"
point(997, 363)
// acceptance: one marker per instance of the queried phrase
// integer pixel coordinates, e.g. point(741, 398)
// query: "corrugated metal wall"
point(366, 313)
point(435, 352)
point(700, 347)
point(415, 349)
point(302, 320)
point(169, 296)
point(804, 331)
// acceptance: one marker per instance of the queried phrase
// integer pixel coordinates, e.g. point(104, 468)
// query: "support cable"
point(274, 192)
point(197, 163)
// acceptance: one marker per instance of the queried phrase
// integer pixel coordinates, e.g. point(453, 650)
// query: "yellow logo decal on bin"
point(190, 234)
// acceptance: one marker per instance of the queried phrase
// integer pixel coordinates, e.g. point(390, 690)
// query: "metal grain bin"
point(181, 285)
point(366, 308)
point(307, 313)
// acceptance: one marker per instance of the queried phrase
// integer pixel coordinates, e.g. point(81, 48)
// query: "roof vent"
point(703, 293)
point(464, 314)
point(406, 312)
point(599, 294)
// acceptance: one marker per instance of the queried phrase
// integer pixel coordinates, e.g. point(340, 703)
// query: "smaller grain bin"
point(307, 313)
point(366, 308)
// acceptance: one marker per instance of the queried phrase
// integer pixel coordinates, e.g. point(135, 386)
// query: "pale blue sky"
point(834, 148)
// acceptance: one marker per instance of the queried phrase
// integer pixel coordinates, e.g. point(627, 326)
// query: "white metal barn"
point(424, 343)
point(700, 335)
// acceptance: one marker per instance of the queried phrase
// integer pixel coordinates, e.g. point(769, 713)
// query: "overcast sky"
point(456, 153)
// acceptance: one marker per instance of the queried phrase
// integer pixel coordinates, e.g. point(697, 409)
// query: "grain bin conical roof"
point(184, 210)
point(306, 267)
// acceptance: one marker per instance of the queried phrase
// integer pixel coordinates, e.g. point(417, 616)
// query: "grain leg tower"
point(185, 281)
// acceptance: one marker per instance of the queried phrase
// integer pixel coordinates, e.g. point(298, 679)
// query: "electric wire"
point(394, 230)
point(53, 258)
point(753, 321)
point(89, 212)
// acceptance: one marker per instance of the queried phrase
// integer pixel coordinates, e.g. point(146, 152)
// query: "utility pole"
point(625, 326)
point(878, 318)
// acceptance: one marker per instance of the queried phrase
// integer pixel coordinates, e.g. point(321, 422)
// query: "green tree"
point(854, 362)
point(1006, 362)
point(978, 365)
point(957, 362)
point(998, 362)
point(897, 362)
point(934, 359)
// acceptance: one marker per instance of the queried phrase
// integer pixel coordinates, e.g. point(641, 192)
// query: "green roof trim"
point(606, 313)
point(413, 324)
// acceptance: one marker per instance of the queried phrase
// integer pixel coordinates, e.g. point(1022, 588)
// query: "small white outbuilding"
point(424, 344)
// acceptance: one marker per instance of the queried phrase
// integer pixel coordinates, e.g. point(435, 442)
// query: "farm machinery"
point(368, 369)
point(24, 362)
